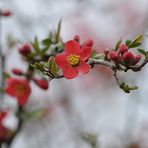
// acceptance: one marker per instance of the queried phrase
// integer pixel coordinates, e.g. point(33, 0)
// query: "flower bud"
point(41, 83)
point(6, 13)
point(25, 49)
point(113, 55)
point(77, 38)
point(123, 48)
point(89, 43)
point(17, 71)
point(128, 58)
point(106, 51)
point(137, 58)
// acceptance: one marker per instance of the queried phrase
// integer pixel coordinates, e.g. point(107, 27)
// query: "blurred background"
point(88, 104)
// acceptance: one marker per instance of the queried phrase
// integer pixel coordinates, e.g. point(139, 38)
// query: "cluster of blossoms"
point(19, 88)
point(123, 56)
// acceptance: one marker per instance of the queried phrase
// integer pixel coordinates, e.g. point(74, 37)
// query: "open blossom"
point(72, 61)
point(18, 88)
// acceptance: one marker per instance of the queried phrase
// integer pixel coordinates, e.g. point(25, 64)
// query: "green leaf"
point(122, 84)
point(138, 38)
point(128, 42)
point(93, 54)
point(46, 42)
point(36, 114)
point(35, 45)
point(134, 44)
point(52, 66)
point(118, 44)
point(57, 37)
point(38, 65)
point(142, 51)
point(146, 55)
point(1, 90)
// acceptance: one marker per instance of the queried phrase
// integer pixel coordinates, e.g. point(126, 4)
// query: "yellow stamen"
point(73, 59)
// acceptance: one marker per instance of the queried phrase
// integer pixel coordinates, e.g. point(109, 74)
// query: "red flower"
point(72, 61)
point(19, 89)
point(41, 83)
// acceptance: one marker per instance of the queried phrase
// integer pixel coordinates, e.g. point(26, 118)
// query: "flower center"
point(19, 89)
point(73, 59)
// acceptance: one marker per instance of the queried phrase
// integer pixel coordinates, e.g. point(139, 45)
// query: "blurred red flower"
point(18, 88)
point(6, 13)
point(72, 61)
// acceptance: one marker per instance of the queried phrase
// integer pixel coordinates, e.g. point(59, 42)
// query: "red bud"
point(77, 38)
point(25, 49)
point(106, 51)
point(89, 43)
point(17, 71)
point(137, 58)
point(6, 13)
point(113, 55)
point(123, 48)
point(41, 83)
point(128, 58)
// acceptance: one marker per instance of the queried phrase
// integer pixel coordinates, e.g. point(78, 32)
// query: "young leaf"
point(142, 51)
point(57, 37)
point(52, 66)
point(134, 44)
point(138, 38)
point(118, 44)
point(128, 42)
point(35, 45)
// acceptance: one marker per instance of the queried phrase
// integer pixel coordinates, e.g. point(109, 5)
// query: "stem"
point(101, 62)
point(2, 60)
point(9, 143)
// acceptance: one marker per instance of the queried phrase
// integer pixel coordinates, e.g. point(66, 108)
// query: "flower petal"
point(83, 68)
point(71, 47)
point(70, 72)
point(61, 61)
point(9, 90)
point(85, 53)
point(22, 100)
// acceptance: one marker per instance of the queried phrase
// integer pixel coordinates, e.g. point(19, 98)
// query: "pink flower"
point(18, 88)
point(73, 60)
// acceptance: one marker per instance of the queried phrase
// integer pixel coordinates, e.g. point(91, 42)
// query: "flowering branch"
point(54, 59)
